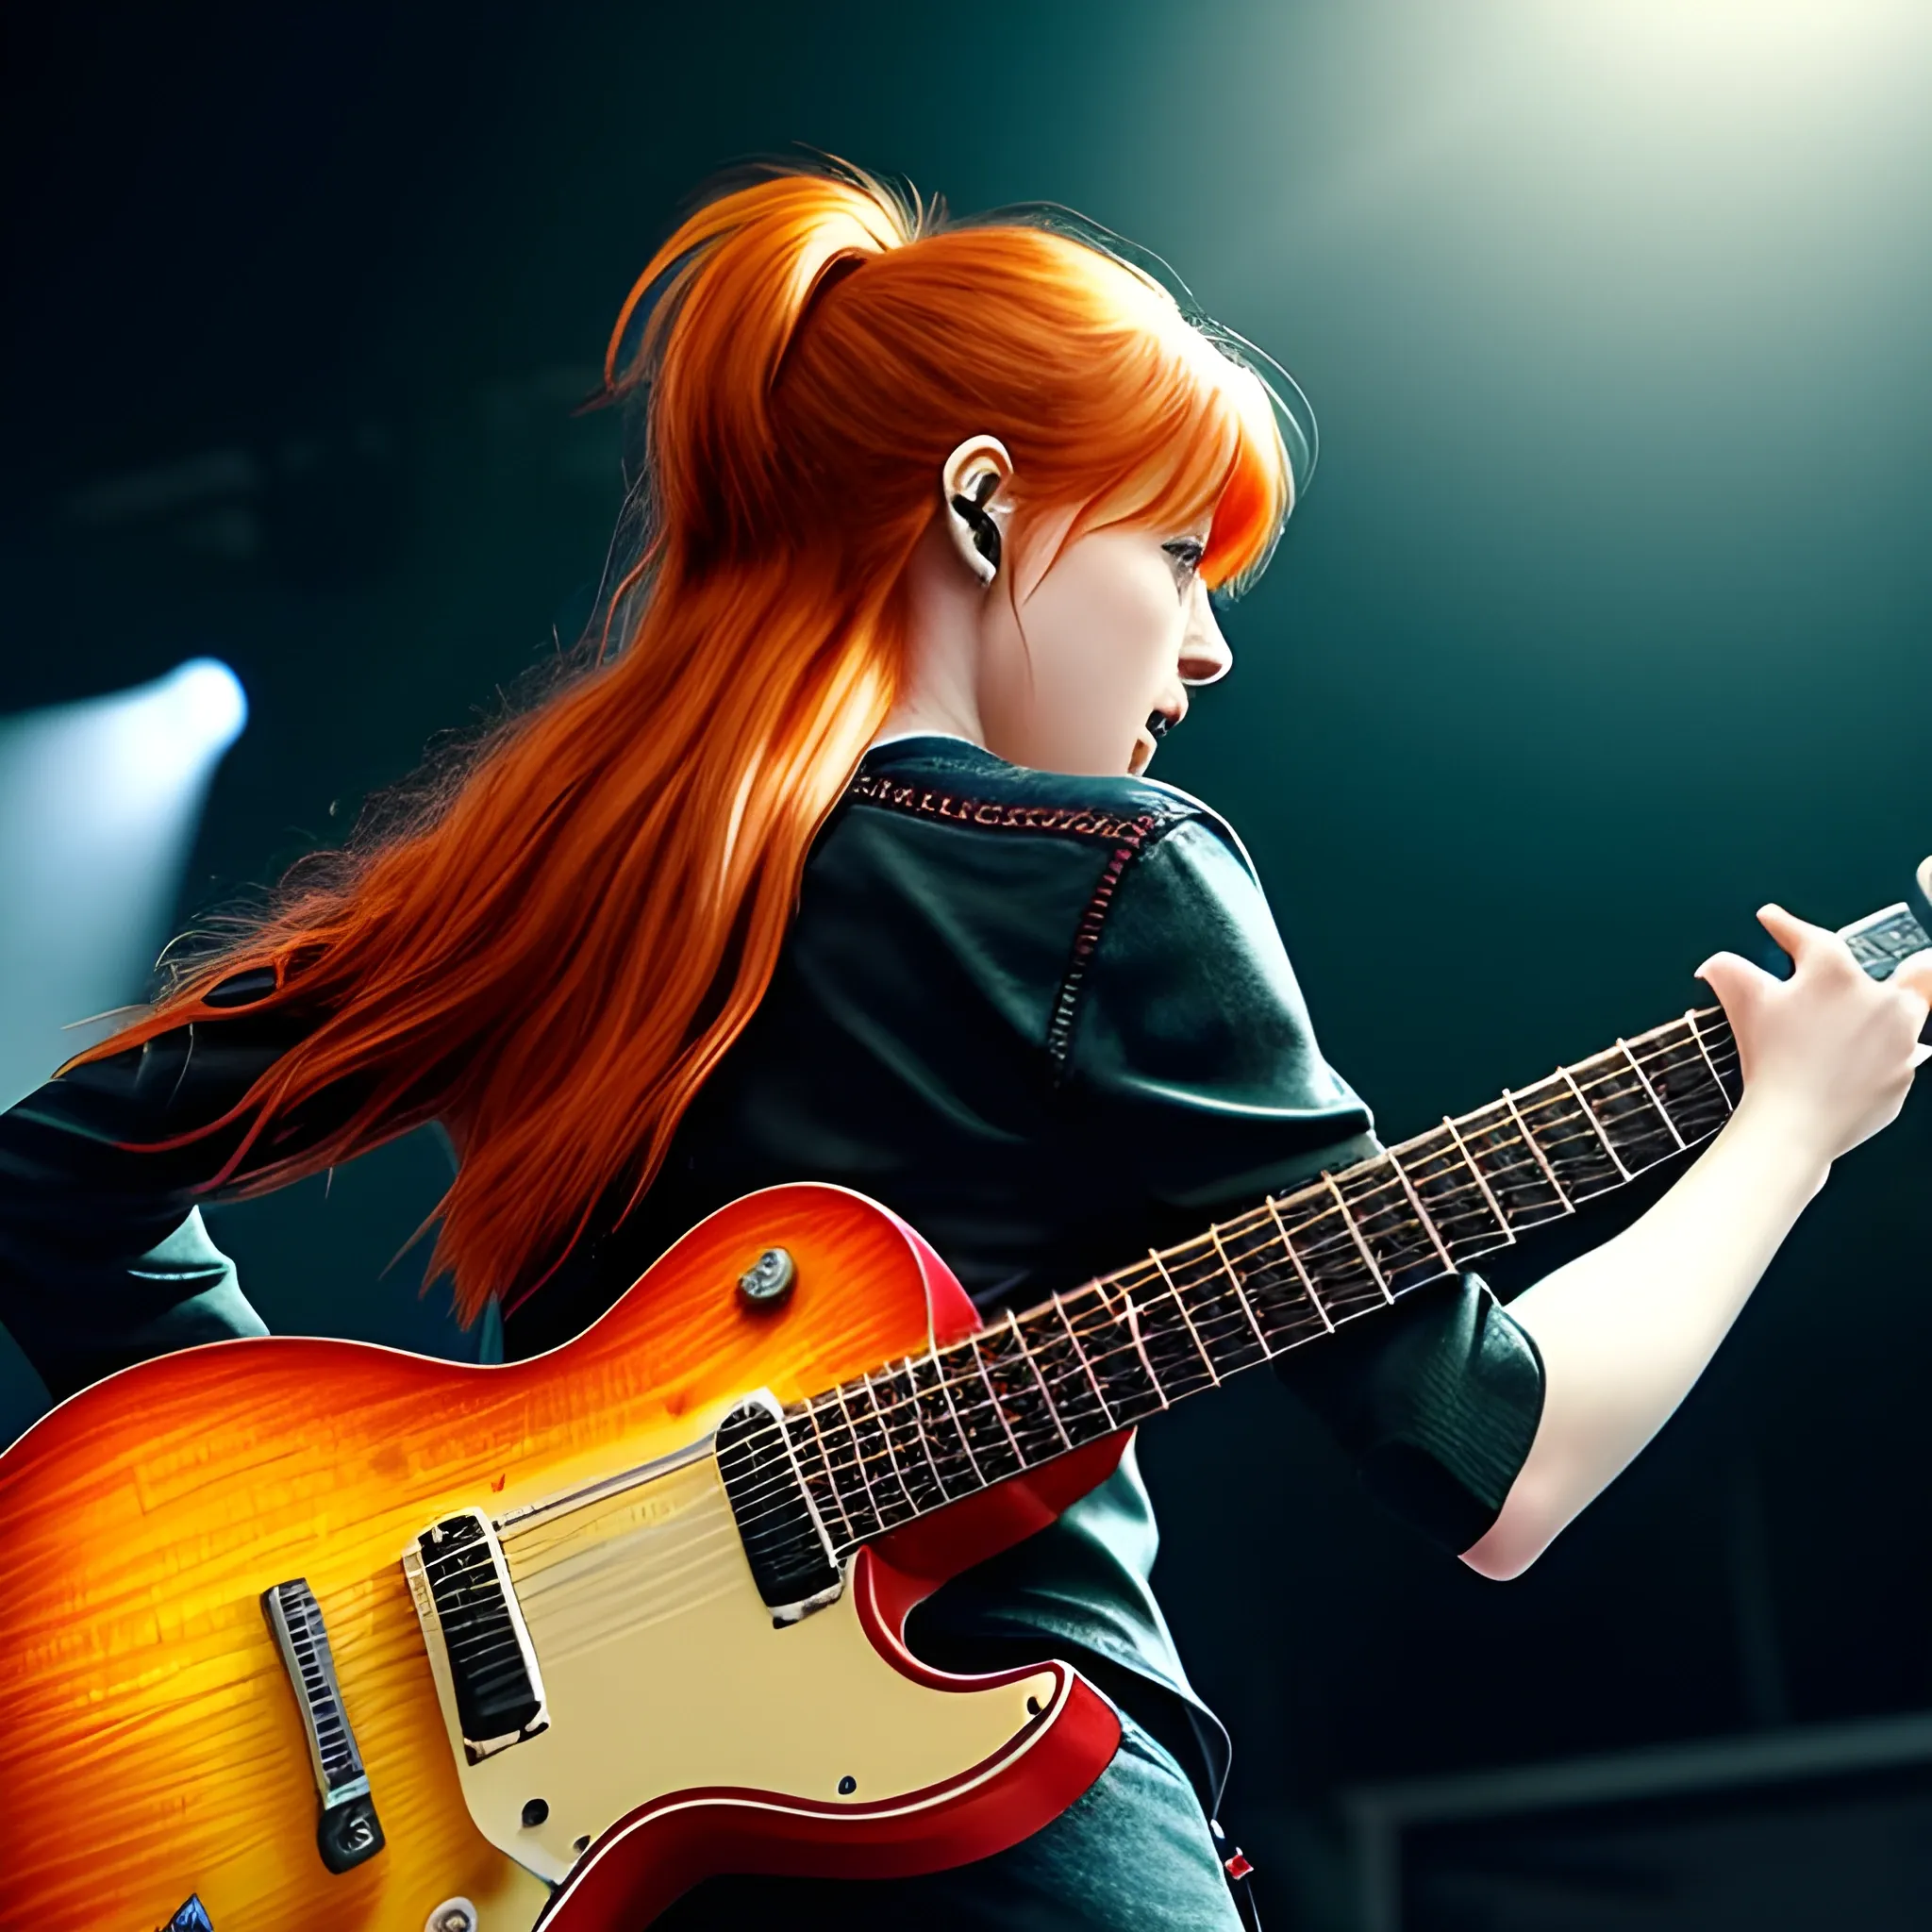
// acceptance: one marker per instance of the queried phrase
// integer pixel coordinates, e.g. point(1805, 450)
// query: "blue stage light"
point(99, 804)
point(210, 702)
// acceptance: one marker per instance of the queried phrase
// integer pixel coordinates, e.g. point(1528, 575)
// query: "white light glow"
point(210, 702)
point(164, 735)
point(99, 803)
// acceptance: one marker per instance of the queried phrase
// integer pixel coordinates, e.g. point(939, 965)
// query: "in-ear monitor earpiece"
point(973, 511)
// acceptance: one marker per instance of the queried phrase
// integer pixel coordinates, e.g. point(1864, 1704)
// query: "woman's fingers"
point(1737, 983)
point(1833, 1046)
point(1914, 975)
point(1798, 936)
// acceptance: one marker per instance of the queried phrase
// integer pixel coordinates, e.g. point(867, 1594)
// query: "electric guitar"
point(303, 1633)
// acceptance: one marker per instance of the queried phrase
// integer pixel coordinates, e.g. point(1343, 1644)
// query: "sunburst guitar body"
point(299, 1633)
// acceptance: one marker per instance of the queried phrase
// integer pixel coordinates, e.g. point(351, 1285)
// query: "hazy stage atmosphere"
point(1607, 618)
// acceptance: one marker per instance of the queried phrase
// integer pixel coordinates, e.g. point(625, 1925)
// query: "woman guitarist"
point(838, 860)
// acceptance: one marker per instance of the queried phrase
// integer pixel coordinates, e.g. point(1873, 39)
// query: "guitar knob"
point(769, 1279)
point(451, 1915)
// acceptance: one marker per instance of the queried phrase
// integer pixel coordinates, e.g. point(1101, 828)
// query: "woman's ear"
point(972, 482)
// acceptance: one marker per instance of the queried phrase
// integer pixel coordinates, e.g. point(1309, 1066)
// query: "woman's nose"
point(1204, 652)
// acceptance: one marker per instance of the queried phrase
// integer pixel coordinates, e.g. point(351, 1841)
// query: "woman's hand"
point(1625, 1329)
point(1828, 1053)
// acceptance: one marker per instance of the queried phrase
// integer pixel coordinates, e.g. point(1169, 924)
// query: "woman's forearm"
point(1625, 1329)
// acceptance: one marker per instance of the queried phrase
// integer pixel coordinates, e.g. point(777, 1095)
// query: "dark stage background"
point(1605, 619)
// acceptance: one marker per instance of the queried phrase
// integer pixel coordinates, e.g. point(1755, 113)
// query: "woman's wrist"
point(1783, 1140)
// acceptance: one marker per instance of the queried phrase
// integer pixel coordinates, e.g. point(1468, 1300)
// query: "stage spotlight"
point(210, 703)
point(99, 803)
point(159, 736)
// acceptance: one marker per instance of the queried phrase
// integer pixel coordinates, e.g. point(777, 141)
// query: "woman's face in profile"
point(1073, 665)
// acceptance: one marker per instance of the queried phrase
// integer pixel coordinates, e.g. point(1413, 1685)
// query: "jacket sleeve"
point(1193, 1051)
point(104, 1259)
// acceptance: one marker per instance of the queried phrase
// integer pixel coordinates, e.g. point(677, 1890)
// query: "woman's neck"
point(939, 692)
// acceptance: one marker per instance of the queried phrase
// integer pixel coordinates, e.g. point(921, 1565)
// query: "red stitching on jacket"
point(922, 801)
point(1127, 835)
point(1059, 1029)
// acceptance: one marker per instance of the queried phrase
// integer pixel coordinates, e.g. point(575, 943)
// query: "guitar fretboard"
point(934, 1428)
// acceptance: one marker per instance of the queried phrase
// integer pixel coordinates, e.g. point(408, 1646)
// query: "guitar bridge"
point(470, 1613)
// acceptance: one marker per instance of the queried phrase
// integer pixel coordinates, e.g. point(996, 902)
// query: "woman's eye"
point(1186, 553)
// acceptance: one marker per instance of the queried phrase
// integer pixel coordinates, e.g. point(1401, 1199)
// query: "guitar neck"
point(919, 1434)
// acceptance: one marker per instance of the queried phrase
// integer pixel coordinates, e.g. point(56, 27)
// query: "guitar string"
point(893, 1422)
point(896, 1427)
point(1444, 1201)
point(887, 1430)
point(902, 1412)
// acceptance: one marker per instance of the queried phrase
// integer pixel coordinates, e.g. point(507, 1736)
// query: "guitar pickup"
point(348, 1831)
point(464, 1595)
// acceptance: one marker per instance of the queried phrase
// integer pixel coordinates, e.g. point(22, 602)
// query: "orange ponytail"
point(553, 957)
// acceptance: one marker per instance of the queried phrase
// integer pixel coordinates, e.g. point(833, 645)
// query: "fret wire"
point(767, 1507)
point(993, 1395)
point(884, 1454)
point(1477, 1182)
point(1590, 1086)
point(847, 1504)
point(1470, 1161)
point(1589, 1114)
point(1213, 1373)
point(1415, 1201)
point(809, 1465)
point(811, 1410)
point(1100, 1359)
point(1137, 1345)
point(919, 1428)
point(886, 1438)
point(1045, 1393)
point(1348, 1221)
point(947, 1385)
point(1697, 1034)
point(1214, 1235)
point(1099, 1393)
point(982, 1400)
point(1657, 1046)
point(858, 1454)
point(888, 1423)
point(952, 1409)
point(1132, 1317)
point(1454, 1190)
point(1579, 1090)
point(861, 1455)
point(1541, 1159)
point(1656, 1099)
point(1307, 1280)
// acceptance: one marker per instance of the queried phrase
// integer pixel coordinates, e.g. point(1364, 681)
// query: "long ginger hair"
point(554, 951)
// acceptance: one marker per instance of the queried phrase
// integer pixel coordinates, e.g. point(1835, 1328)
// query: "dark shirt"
point(1046, 1018)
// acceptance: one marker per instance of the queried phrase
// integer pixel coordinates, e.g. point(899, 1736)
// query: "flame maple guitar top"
point(152, 1745)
